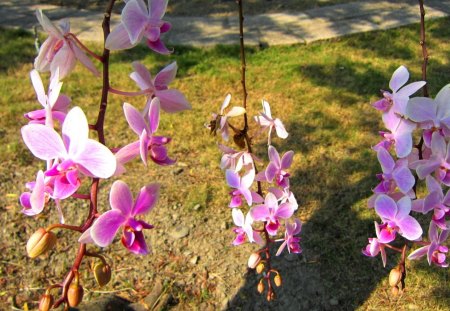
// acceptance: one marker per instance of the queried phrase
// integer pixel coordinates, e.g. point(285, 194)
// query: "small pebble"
point(197, 207)
point(179, 232)
point(194, 260)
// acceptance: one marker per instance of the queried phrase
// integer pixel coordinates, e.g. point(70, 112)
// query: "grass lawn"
point(321, 91)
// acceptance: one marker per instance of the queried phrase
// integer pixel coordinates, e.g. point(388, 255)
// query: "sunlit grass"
point(321, 91)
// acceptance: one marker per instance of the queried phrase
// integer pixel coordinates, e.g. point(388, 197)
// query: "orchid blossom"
point(398, 99)
point(265, 120)
point(435, 251)
point(241, 186)
point(220, 120)
point(123, 214)
point(72, 154)
point(60, 50)
point(376, 247)
point(171, 100)
point(138, 22)
point(244, 228)
point(290, 239)
point(276, 169)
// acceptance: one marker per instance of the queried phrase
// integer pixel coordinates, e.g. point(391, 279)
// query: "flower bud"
point(260, 267)
point(46, 302)
point(75, 294)
point(102, 273)
point(40, 242)
point(395, 276)
point(254, 260)
point(277, 280)
point(260, 286)
point(395, 291)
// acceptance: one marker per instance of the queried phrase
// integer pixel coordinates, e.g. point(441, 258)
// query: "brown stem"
point(399, 250)
point(402, 266)
point(243, 65)
point(89, 254)
point(424, 48)
point(64, 226)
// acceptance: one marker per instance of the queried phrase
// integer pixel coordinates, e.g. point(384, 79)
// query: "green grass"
point(321, 91)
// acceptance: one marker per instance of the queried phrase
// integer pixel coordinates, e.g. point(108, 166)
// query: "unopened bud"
point(395, 276)
point(75, 294)
point(395, 291)
point(260, 287)
point(277, 280)
point(260, 267)
point(270, 296)
point(40, 242)
point(254, 260)
point(46, 302)
point(102, 273)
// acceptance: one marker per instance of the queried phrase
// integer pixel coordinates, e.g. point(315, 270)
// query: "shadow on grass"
point(17, 48)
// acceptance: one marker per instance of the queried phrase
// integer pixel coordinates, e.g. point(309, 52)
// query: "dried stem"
point(243, 64)
point(423, 44)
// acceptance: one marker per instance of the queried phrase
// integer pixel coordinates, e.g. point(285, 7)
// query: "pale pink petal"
point(153, 114)
point(43, 142)
point(233, 179)
point(426, 167)
point(235, 111)
point(420, 109)
point(399, 78)
point(172, 101)
point(385, 207)
point(279, 128)
point(42, 61)
point(120, 198)
point(106, 226)
point(260, 212)
point(134, 20)
point(143, 146)
point(134, 119)
point(118, 39)
point(442, 100)
point(38, 87)
point(386, 161)
point(86, 238)
point(157, 8)
point(238, 217)
point(286, 160)
point(418, 253)
point(141, 76)
point(146, 200)
point(411, 88)
point(266, 109)
point(48, 25)
point(64, 60)
point(75, 131)
point(271, 200)
point(247, 179)
point(166, 76)
point(284, 211)
point(274, 157)
point(152, 33)
point(96, 160)
point(410, 228)
point(404, 179)
point(86, 61)
point(128, 152)
point(271, 172)
point(438, 145)
point(403, 207)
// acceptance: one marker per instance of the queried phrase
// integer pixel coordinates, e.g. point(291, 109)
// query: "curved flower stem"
point(119, 92)
point(81, 45)
point(89, 254)
point(81, 196)
point(64, 226)
point(399, 250)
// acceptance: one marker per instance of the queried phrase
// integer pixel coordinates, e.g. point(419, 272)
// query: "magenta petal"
point(158, 46)
point(146, 200)
point(106, 226)
point(152, 33)
point(236, 201)
point(120, 198)
point(387, 236)
point(43, 141)
point(138, 247)
point(172, 100)
point(25, 201)
point(385, 207)
point(63, 189)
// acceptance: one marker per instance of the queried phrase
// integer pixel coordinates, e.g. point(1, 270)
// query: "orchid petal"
point(134, 119)
point(120, 198)
point(106, 226)
point(43, 142)
point(172, 100)
point(118, 39)
point(399, 78)
point(97, 159)
point(385, 207)
point(134, 20)
point(146, 200)
point(75, 131)
point(166, 76)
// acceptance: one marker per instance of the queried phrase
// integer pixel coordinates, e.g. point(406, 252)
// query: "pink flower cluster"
point(394, 197)
point(71, 156)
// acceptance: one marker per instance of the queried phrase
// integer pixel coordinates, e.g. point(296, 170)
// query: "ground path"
point(265, 29)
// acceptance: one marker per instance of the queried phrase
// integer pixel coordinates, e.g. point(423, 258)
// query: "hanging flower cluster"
point(269, 215)
point(394, 198)
point(73, 159)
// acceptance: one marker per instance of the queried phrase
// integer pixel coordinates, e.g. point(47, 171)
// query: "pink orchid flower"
point(220, 120)
point(431, 114)
point(271, 212)
point(400, 134)
point(290, 239)
point(439, 160)
point(436, 201)
point(395, 174)
point(265, 120)
point(399, 97)
point(140, 22)
point(241, 186)
point(435, 251)
point(72, 154)
point(244, 228)
point(171, 100)
point(123, 214)
point(33, 203)
point(148, 144)
point(375, 247)
point(60, 50)
point(396, 218)
point(276, 169)
point(285, 195)
point(55, 104)
point(236, 160)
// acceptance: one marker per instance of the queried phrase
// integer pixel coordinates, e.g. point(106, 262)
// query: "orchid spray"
point(267, 215)
point(395, 196)
point(73, 159)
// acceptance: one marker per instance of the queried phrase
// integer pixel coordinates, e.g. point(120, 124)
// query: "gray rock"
point(179, 232)
point(152, 299)
point(334, 302)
